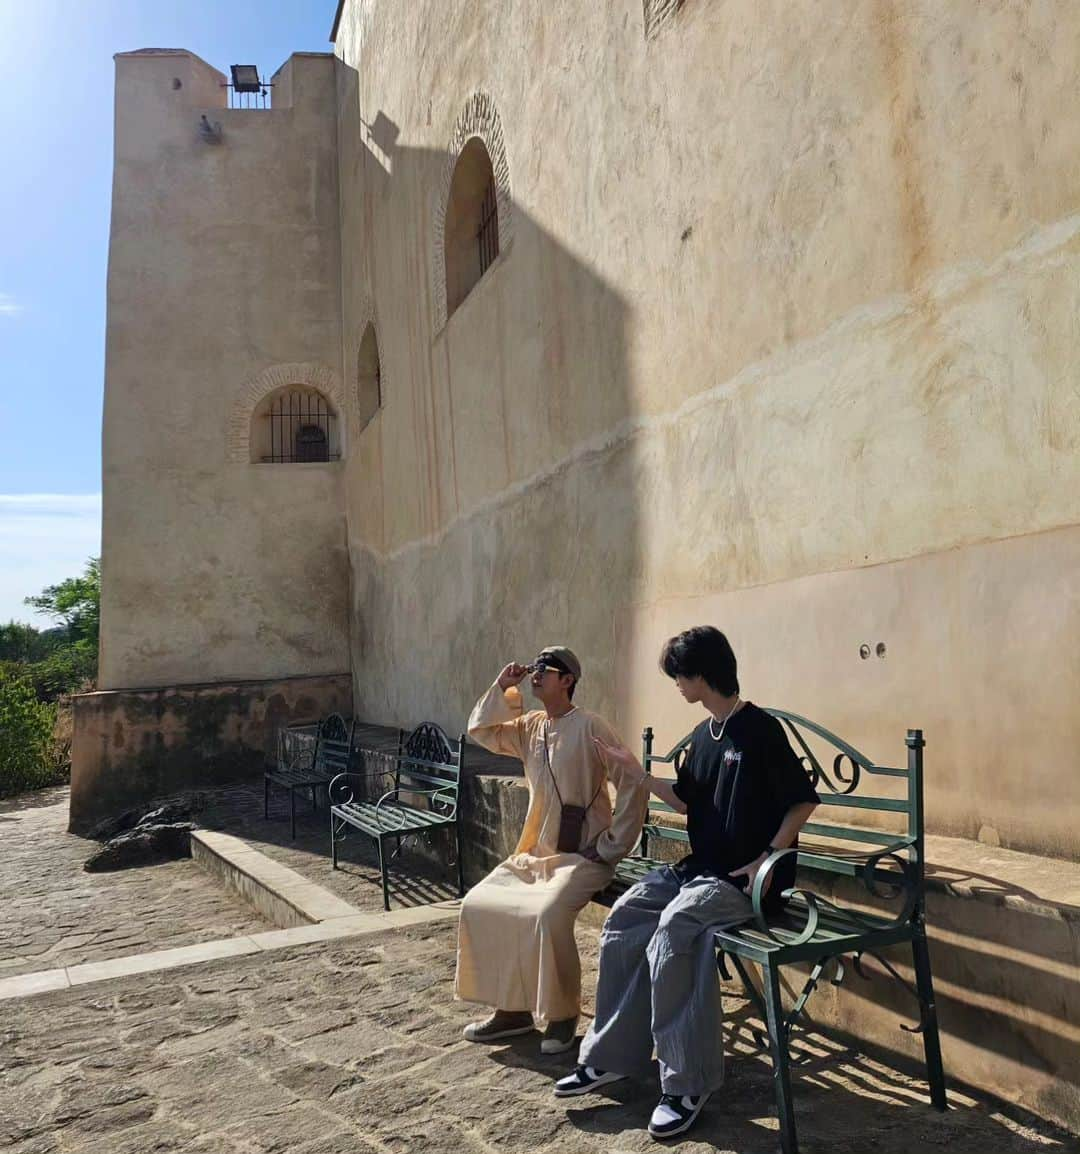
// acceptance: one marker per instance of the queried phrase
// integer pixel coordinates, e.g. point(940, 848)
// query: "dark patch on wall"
point(657, 13)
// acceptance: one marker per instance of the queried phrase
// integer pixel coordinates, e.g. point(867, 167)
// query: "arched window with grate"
point(471, 232)
point(295, 425)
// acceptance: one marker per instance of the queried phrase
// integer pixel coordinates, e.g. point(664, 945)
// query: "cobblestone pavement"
point(54, 914)
point(354, 1047)
point(413, 880)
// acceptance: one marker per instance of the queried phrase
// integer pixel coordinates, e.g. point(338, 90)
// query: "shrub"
point(30, 755)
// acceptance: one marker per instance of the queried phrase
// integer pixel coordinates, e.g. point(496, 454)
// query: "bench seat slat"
point(425, 781)
point(409, 764)
point(850, 833)
point(389, 818)
point(853, 801)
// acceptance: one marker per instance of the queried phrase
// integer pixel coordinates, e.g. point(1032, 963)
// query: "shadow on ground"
point(414, 881)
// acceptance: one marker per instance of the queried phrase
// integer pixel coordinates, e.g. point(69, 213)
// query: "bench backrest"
point(839, 788)
point(430, 763)
point(333, 745)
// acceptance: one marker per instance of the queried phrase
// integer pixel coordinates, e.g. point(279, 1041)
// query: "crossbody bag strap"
point(547, 763)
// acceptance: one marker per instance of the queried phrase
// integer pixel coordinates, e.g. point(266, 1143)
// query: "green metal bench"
point(308, 760)
point(811, 929)
point(423, 783)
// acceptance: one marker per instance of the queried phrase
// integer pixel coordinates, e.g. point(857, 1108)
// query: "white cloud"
point(9, 306)
point(44, 538)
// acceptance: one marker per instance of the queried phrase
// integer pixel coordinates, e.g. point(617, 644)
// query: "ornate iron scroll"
point(906, 885)
point(428, 742)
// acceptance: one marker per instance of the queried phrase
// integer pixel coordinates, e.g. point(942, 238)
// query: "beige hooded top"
point(499, 723)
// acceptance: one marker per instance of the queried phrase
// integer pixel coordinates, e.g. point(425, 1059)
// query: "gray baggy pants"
point(658, 983)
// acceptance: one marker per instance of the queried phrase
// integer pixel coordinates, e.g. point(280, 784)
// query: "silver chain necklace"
point(720, 736)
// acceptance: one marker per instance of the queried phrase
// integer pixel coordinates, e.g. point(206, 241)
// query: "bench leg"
point(292, 814)
point(460, 861)
point(935, 1072)
point(778, 1043)
point(333, 845)
point(382, 870)
point(314, 803)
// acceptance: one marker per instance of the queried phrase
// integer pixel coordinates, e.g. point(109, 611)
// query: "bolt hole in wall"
point(865, 651)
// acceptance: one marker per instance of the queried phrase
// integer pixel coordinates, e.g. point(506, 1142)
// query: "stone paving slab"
point(354, 1047)
point(54, 915)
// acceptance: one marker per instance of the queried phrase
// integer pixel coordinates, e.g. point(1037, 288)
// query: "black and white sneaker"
point(584, 1080)
point(675, 1114)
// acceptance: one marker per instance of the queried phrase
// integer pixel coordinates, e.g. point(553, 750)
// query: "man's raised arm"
point(495, 722)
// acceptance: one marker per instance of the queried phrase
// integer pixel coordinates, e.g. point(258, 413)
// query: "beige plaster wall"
point(784, 339)
point(223, 282)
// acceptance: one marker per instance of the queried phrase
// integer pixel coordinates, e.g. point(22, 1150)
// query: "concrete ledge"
point(357, 925)
point(160, 960)
point(280, 894)
point(24, 985)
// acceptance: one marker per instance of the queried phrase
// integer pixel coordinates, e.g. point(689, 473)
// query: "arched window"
point(471, 232)
point(295, 424)
point(368, 377)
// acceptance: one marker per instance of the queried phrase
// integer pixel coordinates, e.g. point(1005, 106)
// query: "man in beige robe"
point(516, 948)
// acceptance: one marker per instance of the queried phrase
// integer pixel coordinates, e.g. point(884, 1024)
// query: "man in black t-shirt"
point(745, 795)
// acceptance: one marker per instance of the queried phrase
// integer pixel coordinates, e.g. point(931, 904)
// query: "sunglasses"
point(543, 667)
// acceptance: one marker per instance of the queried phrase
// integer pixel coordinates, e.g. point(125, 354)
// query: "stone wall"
point(783, 340)
point(223, 286)
point(130, 747)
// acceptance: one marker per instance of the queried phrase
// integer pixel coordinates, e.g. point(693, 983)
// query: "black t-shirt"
point(737, 791)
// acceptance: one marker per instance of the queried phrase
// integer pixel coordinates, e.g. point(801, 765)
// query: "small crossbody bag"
point(571, 817)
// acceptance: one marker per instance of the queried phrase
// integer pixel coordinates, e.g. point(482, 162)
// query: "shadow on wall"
point(492, 505)
point(1007, 985)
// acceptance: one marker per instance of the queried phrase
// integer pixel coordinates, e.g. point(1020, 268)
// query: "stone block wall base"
point(133, 746)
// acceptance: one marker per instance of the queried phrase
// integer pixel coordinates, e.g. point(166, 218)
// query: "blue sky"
point(56, 60)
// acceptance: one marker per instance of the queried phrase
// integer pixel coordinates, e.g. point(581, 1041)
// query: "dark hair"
point(573, 686)
point(702, 652)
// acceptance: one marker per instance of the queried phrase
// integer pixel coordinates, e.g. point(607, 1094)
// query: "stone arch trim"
point(313, 375)
point(479, 118)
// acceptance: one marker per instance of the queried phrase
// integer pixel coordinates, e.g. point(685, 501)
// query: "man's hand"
point(750, 872)
point(513, 674)
point(622, 757)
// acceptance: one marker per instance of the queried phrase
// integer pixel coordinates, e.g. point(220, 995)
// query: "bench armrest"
point(905, 884)
point(438, 796)
point(339, 790)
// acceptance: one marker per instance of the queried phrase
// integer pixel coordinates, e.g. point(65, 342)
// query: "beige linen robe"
point(516, 948)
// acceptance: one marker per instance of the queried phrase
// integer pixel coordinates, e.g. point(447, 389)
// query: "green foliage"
point(29, 758)
point(76, 604)
point(38, 668)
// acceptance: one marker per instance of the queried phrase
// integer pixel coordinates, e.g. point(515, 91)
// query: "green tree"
point(20, 642)
point(76, 605)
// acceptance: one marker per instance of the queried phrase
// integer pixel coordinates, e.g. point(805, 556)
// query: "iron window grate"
point(301, 429)
point(488, 236)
